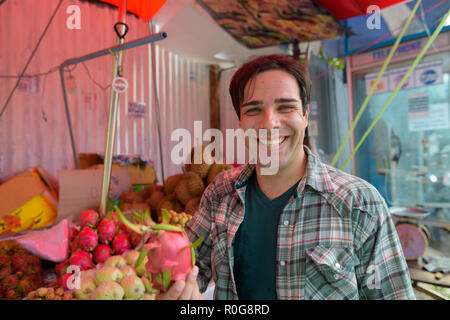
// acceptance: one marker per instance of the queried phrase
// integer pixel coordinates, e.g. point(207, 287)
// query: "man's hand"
point(184, 289)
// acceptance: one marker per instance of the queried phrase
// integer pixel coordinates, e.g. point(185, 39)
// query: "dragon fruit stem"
point(136, 228)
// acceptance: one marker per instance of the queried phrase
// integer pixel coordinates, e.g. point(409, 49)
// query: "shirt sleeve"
point(200, 226)
point(382, 273)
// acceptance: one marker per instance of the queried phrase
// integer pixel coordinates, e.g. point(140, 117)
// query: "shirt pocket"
point(330, 273)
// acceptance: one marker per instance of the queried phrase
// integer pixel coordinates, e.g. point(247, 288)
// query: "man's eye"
point(252, 111)
point(286, 108)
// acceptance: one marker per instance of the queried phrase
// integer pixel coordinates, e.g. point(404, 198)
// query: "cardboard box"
point(81, 189)
point(144, 174)
point(28, 201)
point(87, 160)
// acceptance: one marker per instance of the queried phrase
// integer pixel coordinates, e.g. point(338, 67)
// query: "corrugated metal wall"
point(34, 130)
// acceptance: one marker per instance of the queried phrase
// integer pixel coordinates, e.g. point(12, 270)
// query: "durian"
point(171, 183)
point(169, 202)
point(192, 205)
point(190, 186)
point(153, 201)
point(215, 169)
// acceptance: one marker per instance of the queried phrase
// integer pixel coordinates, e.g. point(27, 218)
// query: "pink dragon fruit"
point(170, 254)
point(73, 232)
point(88, 218)
point(61, 267)
point(101, 253)
point(169, 251)
point(63, 281)
point(81, 258)
point(73, 245)
point(135, 239)
point(106, 230)
point(87, 239)
point(115, 216)
point(124, 229)
point(120, 243)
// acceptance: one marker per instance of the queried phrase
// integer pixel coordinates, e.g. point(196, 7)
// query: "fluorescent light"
point(222, 56)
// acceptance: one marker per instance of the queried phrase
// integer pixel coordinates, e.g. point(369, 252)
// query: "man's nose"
point(270, 119)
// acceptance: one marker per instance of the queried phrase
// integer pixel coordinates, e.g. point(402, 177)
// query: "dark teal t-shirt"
point(255, 243)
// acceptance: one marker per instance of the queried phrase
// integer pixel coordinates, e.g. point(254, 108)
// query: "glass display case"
point(407, 154)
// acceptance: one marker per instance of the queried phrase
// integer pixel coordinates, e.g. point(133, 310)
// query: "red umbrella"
point(342, 10)
point(145, 9)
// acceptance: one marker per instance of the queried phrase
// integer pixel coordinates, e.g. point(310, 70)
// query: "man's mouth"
point(272, 142)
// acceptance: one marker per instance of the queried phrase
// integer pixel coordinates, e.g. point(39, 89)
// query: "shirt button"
point(337, 265)
point(283, 263)
point(336, 276)
point(286, 222)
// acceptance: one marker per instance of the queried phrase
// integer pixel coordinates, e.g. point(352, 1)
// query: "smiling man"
point(310, 231)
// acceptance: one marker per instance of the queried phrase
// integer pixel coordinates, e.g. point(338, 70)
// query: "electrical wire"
point(367, 47)
point(104, 88)
point(30, 58)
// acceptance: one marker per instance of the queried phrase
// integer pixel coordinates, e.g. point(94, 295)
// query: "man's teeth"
point(272, 142)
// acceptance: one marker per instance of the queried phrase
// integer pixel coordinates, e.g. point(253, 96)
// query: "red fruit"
point(73, 232)
point(124, 229)
point(5, 271)
point(169, 250)
point(18, 263)
point(25, 286)
point(10, 282)
point(101, 253)
point(106, 230)
point(33, 261)
point(88, 218)
point(63, 281)
point(11, 295)
point(4, 261)
point(81, 258)
point(73, 244)
point(62, 267)
point(87, 239)
point(114, 216)
point(135, 239)
point(36, 279)
point(120, 243)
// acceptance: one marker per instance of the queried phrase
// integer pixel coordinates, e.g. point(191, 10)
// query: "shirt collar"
point(316, 175)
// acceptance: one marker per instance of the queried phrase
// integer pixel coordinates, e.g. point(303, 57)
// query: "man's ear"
point(306, 115)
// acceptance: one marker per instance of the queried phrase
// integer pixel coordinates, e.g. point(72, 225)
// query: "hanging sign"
point(425, 74)
point(136, 110)
point(424, 116)
point(120, 84)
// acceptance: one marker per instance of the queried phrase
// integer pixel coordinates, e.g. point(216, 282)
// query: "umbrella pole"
point(121, 30)
point(156, 92)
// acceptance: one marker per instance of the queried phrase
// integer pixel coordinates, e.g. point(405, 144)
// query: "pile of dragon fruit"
point(95, 239)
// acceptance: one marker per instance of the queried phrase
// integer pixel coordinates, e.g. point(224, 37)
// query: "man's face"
point(272, 101)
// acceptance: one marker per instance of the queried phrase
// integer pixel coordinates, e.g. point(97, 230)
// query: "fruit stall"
point(91, 256)
point(93, 205)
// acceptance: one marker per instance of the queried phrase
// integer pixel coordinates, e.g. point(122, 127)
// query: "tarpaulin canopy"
point(342, 10)
point(145, 9)
point(361, 38)
point(258, 24)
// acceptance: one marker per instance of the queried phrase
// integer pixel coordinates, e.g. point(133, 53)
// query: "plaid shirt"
point(336, 238)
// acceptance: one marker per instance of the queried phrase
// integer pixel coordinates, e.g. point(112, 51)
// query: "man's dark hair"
point(266, 63)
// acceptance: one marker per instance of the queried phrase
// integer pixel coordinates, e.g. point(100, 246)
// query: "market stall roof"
point(361, 38)
point(342, 10)
point(258, 24)
point(145, 9)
